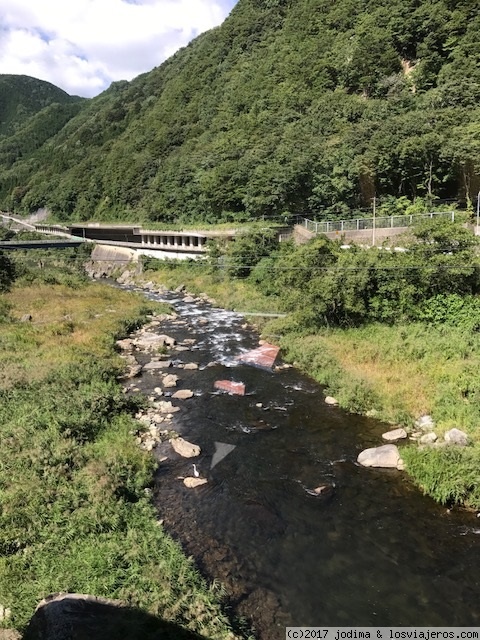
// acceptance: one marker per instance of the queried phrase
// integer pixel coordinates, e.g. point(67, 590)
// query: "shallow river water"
point(375, 551)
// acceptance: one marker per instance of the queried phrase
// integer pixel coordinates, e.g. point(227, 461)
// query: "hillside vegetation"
point(290, 106)
point(75, 503)
point(22, 97)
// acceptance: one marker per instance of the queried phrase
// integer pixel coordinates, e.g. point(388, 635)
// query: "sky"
point(82, 46)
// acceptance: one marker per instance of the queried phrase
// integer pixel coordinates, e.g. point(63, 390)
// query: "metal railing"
point(379, 222)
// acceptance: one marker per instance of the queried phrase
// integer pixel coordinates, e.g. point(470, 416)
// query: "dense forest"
point(311, 107)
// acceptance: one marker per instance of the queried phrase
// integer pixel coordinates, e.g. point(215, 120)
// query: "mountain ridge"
point(310, 106)
point(23, 96)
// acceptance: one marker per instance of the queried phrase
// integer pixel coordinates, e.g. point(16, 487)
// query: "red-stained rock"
point(237, 388)
point(263, 356)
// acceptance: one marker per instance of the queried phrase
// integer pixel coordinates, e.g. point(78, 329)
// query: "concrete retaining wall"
point(365, 236)
point(108, 253)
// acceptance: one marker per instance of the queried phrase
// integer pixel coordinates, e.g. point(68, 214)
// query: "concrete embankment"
point(105, 259)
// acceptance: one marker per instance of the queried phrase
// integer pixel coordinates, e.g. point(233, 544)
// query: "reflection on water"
point(368, 550)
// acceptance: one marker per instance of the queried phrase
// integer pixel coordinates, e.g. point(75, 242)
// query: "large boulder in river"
point(386, 456)
point(184, 448)
point(191, 483)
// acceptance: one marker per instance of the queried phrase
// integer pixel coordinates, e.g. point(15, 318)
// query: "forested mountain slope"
point(22, 97)
point(290, 106)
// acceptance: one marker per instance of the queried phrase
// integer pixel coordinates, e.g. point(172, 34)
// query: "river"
point(373, 551)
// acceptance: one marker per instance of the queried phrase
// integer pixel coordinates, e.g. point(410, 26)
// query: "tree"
point(248, 249)
point(7, 272)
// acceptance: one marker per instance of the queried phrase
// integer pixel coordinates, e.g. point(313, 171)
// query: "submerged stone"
point(235, 388)
point(183, 394)
point(157, 364)
point(263, 356)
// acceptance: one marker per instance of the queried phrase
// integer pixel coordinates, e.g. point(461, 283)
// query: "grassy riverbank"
point(75, 511)
point(393, 372)
point(398, 373)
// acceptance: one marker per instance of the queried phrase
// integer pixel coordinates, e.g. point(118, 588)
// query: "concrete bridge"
point(179, 245)
point(39, 244)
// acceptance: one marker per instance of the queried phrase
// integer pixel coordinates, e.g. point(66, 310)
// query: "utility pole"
point(373, 225)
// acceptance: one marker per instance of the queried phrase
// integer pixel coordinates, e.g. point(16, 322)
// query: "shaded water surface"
point(372, 552)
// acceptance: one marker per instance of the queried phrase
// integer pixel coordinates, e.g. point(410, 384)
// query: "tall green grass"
point(75, 510)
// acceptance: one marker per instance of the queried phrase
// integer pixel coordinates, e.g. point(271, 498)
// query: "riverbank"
point(395, 373)
point(76, 511)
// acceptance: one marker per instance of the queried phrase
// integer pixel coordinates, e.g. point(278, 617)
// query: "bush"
point(7, 272)
point(452, 309)
point(5, 308)
point(450, 475)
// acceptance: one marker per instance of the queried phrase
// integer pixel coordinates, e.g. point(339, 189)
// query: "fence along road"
point(367, 229)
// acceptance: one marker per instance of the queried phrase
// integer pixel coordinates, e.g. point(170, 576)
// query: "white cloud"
point(83, 45)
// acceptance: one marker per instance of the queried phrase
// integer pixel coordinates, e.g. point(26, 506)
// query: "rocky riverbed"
point(295, 528)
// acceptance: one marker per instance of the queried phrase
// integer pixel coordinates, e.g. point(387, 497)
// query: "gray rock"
point(183, 394)
point(125, 345)
point(394, 434)
point(191, 366)
point(10, 634)
point(189, 299)
point(157, 364)
point(170, 381)
point(425, 423)
point(150, 341)
point(166, 407)
point(324, 490)
point(73, 616)
point(131, 372)
point(125, 277)
point(331, 401)
point(5, 613)
point(428, 438)
point(191, 483)
point(386, 456)
point(456, 437)
point(27, 317)
point(168, 341)
point(184, 448)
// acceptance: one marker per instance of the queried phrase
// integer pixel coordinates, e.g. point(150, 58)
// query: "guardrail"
point(379, 222)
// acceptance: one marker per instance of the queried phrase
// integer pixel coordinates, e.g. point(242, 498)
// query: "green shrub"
point(452, 309)
point(7, 272)
point(451, 475)
point(5, 309)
